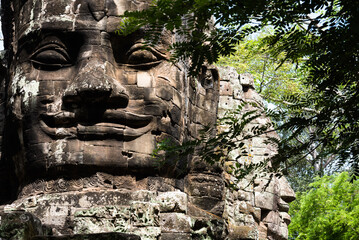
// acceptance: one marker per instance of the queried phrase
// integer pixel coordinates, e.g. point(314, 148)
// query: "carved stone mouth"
point(113, 124)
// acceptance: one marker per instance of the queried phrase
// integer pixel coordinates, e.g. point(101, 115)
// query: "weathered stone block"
point(117, 8)
point(242, 232)
point(165, 92)
point(176, 236)
point(251, 95)
point(272, 217)
point(147, 233)
point(177, 98)
point(111, 155)
point(277, 232)
point(172, 202)
point(205, 185)
point(262, 228)
point(256, 213)
point(285, 217)
point(246, 79)
point(97, 236)
point(136, 93)
point(287, 194)
point(265, 200)
point(144, 79)
point(226, 89)
point(266, 185)
point(237, 92)
point(208, 229)
point(243, 195)
point(175, 223)
point(112, 21)
point(228, 73)
point(227, 103)
point(209, 204)
point(175, 115)
point(144, 214)
point(159, 184)
point(19, 225)
point(55, 215)
point(149, 94)
point(283, 206)
point(144, 144)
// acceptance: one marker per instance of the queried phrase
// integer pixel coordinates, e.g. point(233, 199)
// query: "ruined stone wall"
point(257, 210)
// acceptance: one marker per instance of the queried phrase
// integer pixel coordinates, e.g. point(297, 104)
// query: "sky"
point(1, 36)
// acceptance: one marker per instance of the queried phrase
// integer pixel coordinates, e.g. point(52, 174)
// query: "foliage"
point(274, 84)
point(300, 175)
point(217, 149)
point(330, 210)
point(252, 55)
point(321, 32)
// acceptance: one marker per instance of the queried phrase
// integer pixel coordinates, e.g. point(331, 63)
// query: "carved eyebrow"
point(33, 38)
point(43, 43)
point(26, 45)
point(40, 39)
point(141, 46)
point(26, 40)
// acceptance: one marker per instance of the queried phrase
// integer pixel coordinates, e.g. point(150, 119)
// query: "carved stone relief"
point(84, 109)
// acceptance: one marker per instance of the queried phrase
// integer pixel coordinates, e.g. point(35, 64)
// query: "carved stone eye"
point(142, 56)
point(51, 57)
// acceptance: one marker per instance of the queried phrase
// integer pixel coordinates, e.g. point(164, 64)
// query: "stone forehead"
point(71, 15)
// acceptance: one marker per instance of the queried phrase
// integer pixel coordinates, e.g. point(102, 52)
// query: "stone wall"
point(257, 210)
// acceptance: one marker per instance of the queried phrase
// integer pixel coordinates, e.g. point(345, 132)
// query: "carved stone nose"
point(90, 96)
point(90, 87)
point(94, 87)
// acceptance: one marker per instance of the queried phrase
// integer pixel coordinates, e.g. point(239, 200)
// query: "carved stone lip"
point(116, 124)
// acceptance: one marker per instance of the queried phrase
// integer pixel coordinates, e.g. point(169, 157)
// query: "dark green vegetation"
point(322, 35)
point(330, 210)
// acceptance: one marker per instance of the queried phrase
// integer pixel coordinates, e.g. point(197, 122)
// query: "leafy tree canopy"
point(322, 33)
point(273, 77)
point(330, 210)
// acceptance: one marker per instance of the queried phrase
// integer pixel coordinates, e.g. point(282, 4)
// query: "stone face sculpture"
point(84, 111)
point(84, 100)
